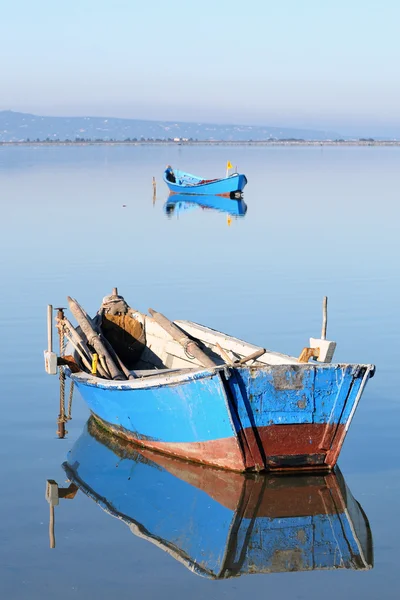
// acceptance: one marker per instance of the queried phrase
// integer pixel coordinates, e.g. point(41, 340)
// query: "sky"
point(305, 63)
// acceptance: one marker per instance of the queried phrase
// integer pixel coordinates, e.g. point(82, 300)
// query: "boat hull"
point(282, 417)
point(219, 187)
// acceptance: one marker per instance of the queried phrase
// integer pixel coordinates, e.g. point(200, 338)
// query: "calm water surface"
point(78, 221)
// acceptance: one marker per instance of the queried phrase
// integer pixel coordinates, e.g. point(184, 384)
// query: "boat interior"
point(146, 348)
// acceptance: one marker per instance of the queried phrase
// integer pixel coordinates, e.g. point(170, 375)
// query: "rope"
point(71, 393)
point(185, 348)
point(61, 417)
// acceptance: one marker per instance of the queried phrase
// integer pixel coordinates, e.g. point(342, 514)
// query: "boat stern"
point(296, 417)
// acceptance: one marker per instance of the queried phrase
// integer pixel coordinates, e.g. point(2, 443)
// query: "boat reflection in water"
point(223, 524)
point(182, 203)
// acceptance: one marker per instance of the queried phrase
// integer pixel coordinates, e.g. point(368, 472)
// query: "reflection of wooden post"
point(53, 494)
point(52, 499)
point(154, 190)
point(51, 528)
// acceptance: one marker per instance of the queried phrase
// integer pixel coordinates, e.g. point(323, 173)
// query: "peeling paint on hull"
point(286, 417)
point(288, 446)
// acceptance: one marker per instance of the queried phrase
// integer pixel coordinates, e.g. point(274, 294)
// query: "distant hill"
point(16, 126)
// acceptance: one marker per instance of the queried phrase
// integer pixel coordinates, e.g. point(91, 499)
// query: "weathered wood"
point(253, 356)
point(85, 361)
point(324, 317)
point(224, 355)
point(180, 336)
point(307, 353)
point(78, 339)
point(70, 362)
point(94, 339)
point(80, 346)
point(50, 328)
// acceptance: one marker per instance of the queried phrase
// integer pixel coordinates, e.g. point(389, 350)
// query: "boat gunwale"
point(170, 379)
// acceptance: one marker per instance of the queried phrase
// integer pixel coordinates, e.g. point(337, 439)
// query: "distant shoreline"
point(290, 142)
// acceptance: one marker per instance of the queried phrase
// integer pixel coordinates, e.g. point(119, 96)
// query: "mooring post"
point(324, 317)
point(61, 414)
point(154, 190)
point(50, 328)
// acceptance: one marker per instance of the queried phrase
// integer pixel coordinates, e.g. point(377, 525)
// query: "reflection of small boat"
point(178, 203)
point(221, 524)
point(184, 183)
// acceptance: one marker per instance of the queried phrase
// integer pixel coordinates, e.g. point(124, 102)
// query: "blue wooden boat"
point(220, 524)
point(192, 392)
point(180, 182)
point(180, 203)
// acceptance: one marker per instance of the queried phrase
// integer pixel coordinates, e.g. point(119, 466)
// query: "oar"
point(179, 336)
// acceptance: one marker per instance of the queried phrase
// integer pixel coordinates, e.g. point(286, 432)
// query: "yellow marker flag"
point(228, 165)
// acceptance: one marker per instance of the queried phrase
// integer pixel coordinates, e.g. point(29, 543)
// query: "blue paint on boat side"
point(187, 183)
point(265, 524)
point(238, 412)
point(194, 411)
point(290, 394)
point(178, 203)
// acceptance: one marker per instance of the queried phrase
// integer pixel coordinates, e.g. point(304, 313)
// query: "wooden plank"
point(178, 335)
point(211, 337)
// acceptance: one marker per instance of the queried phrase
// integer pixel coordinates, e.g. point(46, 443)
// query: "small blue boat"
point(192, 392)
point(219, 524)
point(180, 182)
point(180, 203)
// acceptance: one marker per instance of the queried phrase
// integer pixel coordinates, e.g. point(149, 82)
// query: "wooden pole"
point(224, 355)
point(154, 190)
point(324, 317)
point(81, 347)
point(94, 339)
point(85, 360)
point(50, 328)
point(253, 356)
point(77, 338)
point(178, 335)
